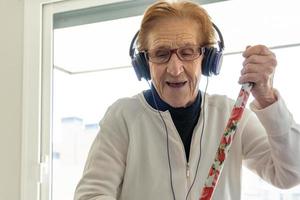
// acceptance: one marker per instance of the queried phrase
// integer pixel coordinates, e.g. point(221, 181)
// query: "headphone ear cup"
point(141, 66)
point(206, 61)
point(136, 68)
point(211, 63)
point(217, 62)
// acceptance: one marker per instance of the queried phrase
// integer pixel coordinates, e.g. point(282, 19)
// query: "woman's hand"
point(259, 68)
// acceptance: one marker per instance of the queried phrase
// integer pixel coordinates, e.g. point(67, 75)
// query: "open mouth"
point(176, 84)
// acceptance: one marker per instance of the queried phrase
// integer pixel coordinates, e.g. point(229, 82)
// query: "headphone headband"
point(221, 42)
point(132, 43)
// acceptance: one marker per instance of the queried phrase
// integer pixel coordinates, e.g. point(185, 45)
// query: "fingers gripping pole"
point(226, 141)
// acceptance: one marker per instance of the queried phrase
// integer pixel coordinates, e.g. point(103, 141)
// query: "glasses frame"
point(201, 50)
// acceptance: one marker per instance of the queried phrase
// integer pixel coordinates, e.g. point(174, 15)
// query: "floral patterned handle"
point(226, 141)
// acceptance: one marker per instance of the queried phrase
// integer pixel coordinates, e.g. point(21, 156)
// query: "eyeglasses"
point(187, 53)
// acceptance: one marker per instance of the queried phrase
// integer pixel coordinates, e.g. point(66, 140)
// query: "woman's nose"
point(175, 65)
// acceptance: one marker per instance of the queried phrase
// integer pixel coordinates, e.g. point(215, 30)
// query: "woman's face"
point(176, 81)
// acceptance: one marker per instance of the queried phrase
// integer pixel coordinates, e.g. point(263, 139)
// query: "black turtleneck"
point(185, 119)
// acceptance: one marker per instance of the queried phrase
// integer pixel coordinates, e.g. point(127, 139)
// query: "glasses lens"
point(189, 53)
point(159, 55)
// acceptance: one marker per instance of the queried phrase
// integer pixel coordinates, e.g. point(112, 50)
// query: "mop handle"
point(225, 143)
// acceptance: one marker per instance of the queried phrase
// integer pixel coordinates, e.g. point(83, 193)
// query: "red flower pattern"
point(206, 193)
point(211, 171)
point(225, 143)
point(221, 155)
point(236, 113)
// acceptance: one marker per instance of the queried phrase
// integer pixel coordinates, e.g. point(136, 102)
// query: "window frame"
point(36, 164)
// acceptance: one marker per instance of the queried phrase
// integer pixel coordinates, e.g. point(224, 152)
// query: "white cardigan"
point(128, 159)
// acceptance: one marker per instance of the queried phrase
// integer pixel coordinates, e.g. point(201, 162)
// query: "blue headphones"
point(211, 63)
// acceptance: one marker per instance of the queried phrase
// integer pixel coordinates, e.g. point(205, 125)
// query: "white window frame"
point(37, 92)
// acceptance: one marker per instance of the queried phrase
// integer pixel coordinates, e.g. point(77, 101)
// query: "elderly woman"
point(160, 143)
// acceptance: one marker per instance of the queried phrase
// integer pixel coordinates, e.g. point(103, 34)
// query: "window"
point(78, 74)
point(80, 101)
point(83, 95)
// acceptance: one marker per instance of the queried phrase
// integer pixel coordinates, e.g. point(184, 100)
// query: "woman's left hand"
point(259, 68)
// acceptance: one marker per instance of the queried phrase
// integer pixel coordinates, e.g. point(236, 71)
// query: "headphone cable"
point(201, 136)
point(168, 149)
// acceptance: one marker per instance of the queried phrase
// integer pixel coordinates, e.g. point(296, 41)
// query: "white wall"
point(11, 61)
